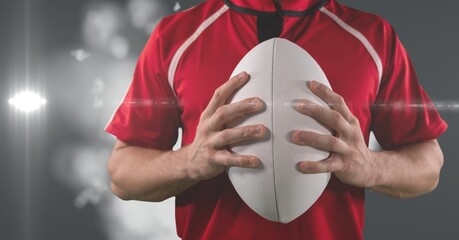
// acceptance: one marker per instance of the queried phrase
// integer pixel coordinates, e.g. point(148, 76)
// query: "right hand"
point(208, 155)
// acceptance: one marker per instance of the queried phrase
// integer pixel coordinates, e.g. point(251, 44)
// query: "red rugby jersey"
point(191, 53)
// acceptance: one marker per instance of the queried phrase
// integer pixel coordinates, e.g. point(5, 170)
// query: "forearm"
point(147, 174)
point(408, 172)
point(152, 175)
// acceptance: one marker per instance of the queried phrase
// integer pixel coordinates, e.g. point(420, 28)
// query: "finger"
point(240, 134)
point(328, 165)
point(223, 92)
point(323, 114)
point(334, 100)
point(229, 112)
point(319, 141)
point(227, 159)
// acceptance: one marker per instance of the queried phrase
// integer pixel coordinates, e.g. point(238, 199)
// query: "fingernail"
point(299, 166)
point(307, 104)
point(313, 84)
point(254, 162)
point(295, 136)
point(253, 102)
point(297, 104)
point(304, 104)
point(258, 129)
point(299, 137)
point(241, 75)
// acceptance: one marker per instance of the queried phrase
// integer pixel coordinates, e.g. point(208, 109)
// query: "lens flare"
point(27, 101)
point(439, 105)
point(177, 7)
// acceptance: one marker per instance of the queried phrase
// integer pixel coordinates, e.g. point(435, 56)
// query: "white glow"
point(145, 14)
point(119, 47)
point(80, 54)
point(136, 220)
point(177, 7)
point(27, 101)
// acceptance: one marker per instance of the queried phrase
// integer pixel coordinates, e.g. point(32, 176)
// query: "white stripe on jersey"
point(360, 37)
point(178, 55)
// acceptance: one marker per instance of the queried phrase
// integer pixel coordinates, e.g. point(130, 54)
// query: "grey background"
point(35, 204)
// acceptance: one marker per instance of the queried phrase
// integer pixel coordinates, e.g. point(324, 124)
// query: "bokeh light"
point(27, 101)
point(145, 14)
point(177, 7)
point(80, 54)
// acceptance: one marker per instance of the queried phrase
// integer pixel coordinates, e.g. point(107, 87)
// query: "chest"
point(209, 61)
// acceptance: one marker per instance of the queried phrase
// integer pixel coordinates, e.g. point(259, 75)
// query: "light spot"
point(98, 103)
point(80, 54)
point(27, 101)
point(98, 86)
point(177, 7)
point(119, 47)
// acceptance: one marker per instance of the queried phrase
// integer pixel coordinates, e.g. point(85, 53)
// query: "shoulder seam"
point(357, 34)
point(178, 54)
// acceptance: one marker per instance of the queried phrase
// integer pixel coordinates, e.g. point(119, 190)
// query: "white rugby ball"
point(278, 72)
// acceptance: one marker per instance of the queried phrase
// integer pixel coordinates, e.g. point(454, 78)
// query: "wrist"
point(187, 170)
point(380, 176)
point(377, 171)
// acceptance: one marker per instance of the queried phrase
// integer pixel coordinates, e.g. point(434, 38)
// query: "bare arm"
point(147, 174)
point(410, 171)
point(151, 175)
point(406, 172)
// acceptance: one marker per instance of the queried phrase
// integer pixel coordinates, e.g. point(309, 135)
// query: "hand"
point(350, 158)
point(208, 155)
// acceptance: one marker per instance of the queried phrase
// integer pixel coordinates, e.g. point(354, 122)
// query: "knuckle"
point(219, 114)
point(246, 132)
point(334, 144)
point(317, 110)
point(354, 121)
point(337, 117)
point(202, 119)
point(339, 100)
point(333, 165)
point(218, 93)
point(224, 137)
point(203, 127)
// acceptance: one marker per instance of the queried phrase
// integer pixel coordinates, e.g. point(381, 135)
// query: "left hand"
point(350, 159)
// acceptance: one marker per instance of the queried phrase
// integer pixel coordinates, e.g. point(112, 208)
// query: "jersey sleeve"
point(149, 114)
point(403, 113)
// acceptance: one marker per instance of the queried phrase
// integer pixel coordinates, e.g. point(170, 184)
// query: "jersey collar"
point(296, 8)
